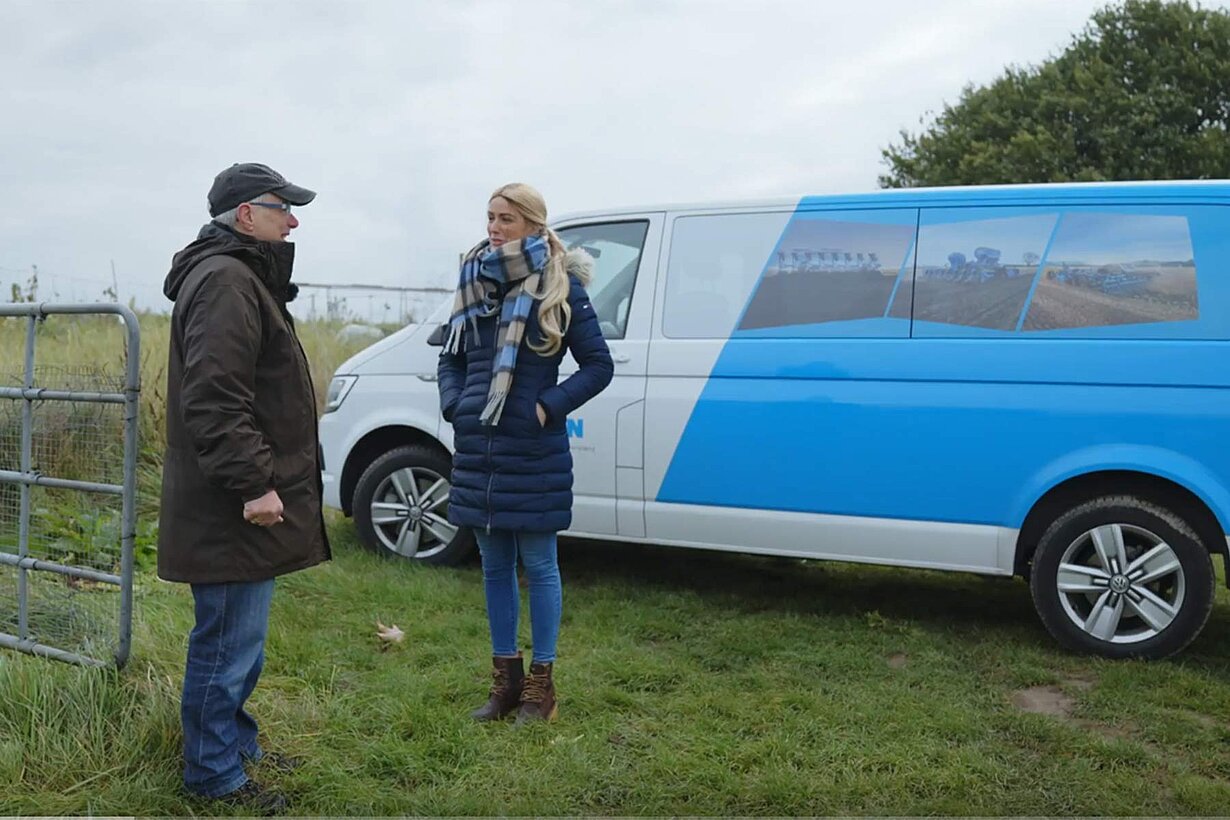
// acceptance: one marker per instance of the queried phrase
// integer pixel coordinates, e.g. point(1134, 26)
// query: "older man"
point(241, 481)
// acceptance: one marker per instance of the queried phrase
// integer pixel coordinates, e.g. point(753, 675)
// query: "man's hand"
point(264, 511)
point(542, 415)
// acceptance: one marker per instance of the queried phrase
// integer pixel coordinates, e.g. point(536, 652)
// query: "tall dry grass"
point(82, 440)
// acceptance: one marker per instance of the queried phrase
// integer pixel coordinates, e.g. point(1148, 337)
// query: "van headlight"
point(338, 390)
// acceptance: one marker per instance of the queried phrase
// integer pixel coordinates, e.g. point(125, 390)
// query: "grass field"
point(690, 683)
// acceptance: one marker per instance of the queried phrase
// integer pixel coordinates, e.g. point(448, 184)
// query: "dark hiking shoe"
point(260, 800)
point(507, 675)
point(538, 695)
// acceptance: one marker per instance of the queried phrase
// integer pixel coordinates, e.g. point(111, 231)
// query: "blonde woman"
point(520, 304)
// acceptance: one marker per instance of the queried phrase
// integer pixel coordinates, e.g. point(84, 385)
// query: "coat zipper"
point(490, 477)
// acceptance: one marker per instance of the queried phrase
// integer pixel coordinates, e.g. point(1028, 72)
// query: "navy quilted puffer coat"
point(517, 475)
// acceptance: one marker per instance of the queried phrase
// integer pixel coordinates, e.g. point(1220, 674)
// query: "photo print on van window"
point(978, 273)
point(836, 266)
point(1115, 269)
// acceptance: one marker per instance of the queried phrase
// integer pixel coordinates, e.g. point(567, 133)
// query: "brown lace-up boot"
point(507, 676)
point(538, 695)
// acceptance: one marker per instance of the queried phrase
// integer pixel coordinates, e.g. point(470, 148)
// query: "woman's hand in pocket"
point(542, 415)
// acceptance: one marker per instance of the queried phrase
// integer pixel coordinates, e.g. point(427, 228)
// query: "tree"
point(1143, 92)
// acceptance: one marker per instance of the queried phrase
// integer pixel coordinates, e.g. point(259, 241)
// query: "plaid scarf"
point(516, 269)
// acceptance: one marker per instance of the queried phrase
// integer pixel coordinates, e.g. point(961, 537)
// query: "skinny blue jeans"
point(499, 550)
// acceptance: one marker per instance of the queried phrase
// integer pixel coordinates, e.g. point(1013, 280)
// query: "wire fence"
point(372, 304)
point(67, 480)
point(369, 304)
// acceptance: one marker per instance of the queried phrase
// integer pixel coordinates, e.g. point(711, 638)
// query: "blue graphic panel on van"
point(972, 429)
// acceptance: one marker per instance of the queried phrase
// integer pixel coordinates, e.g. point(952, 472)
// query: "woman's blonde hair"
point(554, 312)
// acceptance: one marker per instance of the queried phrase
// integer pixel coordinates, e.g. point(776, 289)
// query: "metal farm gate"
point(68, 455)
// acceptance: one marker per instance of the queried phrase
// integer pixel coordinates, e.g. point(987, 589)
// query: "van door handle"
point(620, 358)
point(429, 377)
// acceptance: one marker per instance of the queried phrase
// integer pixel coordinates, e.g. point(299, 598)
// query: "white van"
point(1007, 380)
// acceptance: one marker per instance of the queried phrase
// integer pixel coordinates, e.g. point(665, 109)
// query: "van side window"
point(1078, 271)
point(810, 273)
point(616, 250)
point(977, 271)
point(1115, 269)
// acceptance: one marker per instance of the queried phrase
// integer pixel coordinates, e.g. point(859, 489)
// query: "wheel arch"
point(1086, 486)
point(373, 445)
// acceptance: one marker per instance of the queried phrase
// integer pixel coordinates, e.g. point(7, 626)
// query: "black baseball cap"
point(245, 181)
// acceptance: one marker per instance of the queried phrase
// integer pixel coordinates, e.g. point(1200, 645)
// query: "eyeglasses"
point(281, 206)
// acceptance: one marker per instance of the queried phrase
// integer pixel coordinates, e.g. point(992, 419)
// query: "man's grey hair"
point(227, 218)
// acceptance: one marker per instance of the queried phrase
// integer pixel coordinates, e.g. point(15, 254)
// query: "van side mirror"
point(436, 339)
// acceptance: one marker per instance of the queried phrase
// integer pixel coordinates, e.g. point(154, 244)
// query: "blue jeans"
point(499, 549)
point(226, 651)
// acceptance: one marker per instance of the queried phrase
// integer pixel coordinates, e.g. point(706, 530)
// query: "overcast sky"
point(115, 116)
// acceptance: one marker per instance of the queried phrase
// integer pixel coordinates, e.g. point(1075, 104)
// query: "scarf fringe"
point(456, 330)
point(494, 409)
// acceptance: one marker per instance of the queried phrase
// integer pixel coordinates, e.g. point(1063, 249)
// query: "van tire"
point(427, 466)
point(1144, 609)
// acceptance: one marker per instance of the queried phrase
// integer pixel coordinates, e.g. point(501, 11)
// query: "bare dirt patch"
point(1044, 700)
point(1055, 702)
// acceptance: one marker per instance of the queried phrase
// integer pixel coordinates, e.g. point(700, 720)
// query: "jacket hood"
point(272, 262)
point(580, 264)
